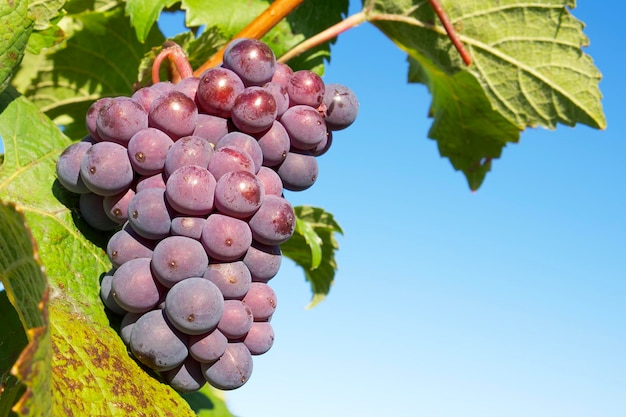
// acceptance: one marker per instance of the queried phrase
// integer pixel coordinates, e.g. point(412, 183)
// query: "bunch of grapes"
point(189, 179)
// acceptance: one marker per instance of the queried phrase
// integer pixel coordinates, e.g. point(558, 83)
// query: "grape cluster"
point(189, 179)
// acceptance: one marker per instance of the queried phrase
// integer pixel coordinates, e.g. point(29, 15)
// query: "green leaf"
point(230, 16)
point(13, 340)
point(93, 373)
point(144, 13)
point(42, 12)
point(313, 247)
point(527, 58)
point(15, 28)
point(100, 58)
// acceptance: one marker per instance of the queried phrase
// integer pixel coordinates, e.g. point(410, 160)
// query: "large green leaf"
point(92, 372)
point(15, 28)
point(527, 58)
point(144, 13)
point(313, 247)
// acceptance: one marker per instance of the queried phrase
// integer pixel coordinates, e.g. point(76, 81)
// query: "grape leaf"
point(12, 341)
point(16, 27)
point(92, 373)
point(527, 58)
point(91, 64)
point(144, 13)
point(42, 12)
point(314, 234)
point(230, 16)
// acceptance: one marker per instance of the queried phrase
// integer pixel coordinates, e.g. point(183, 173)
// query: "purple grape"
point(149, 215)
point(254, 110)
point(274, 144)
point(191, 190)
point(232, 278)
point(188, 226)
point(146, 95)
point(251, 59)
point(190, 150)
point(68, 167)
point(236, 320)
point(116, 206)
point(260, 338)
point(151, 181)
point(91, 207)
point(306, 87)
point(176, 258)
point(271, 181)
point(282, 74)
point(211, 128)
point(261, 299)
point(134, 287)
point(232, 370)
point(225, 238)
point(207, 347)
point(126, 244)
point(107, 297)
point(147, 150)
point(305, 126)
point(156, 343)
point(341, 105)
point(324, 145)
point(174, 113)
point(298, 171)
point(119, 119)
point(126, 326)
point(186, 377)
point(239, 194)
point(188, 86)
point(263, 261)
point(274, 222)
point(105, 169)
point(280, 96)
point(92, 115)
point(217, 90)
point(194, 305)
point(245, 142)
point(228, 159)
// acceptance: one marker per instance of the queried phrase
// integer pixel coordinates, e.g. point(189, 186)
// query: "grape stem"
point(447, 25)
point(255, 29)
point(180, 68)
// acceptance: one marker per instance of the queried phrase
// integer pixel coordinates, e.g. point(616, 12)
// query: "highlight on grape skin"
point(188, 182)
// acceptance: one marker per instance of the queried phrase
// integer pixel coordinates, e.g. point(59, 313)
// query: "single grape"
point(229, 158)
point(156, 343)
point(217, 90)
point(341, 105)
point(92, 115)
point(282, 74)
point(305, 126)
point(188, 86)
point(147, 150)
point(194, 305)
point(239, 194)
point(190, 150)
point(274, 222)
point(306, 87)
point(232, 370)
point(254, 110)
point(126, 326)
point(149, 215)
point(260, 338)
point(251, 59)
point(119, 119)
point(274, 144)
point(244, 142)
point(146, 95)
point(191, 190)
point(91, 207)
point(188, 226)
point(263, 261)
point(105, 168)
point(107, 298)
point(150, 181)
point(174, 113)
point(280, 96)
point(186, 377)
point(126, 244)
point(68, 167)
point(236, 320)
point(271, 181)
point(324, 145)
point(261, 299)
point(178, 257)
point(207, 347)
point(211, 128)
point(232, 278)
point(116, 206)
point(134, 286)
point(225, 238)
point(298, 171)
